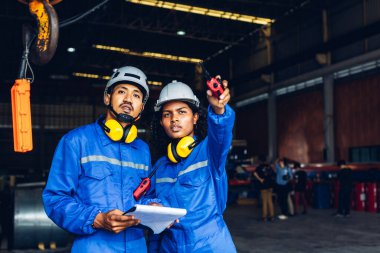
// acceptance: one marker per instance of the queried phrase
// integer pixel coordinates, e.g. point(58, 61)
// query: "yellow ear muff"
point(116, 130)
point(183, 147)
point(130, 134)
point(179, 149)
point(170, 154)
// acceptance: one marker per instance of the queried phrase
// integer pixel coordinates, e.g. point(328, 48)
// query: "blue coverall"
point(198, 184)
point(90, 173)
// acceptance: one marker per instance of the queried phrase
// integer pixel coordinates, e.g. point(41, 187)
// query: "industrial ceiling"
point(135, 32)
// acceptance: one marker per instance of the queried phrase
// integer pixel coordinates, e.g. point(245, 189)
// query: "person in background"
point(97, 167)
point(300, 178)
point(191, 173)
point(345, 181)
point(291, 196)
point(265, 177)
point(283, 177)
point(241, 173)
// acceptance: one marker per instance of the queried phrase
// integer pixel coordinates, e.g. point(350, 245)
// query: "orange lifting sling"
point(21, 116)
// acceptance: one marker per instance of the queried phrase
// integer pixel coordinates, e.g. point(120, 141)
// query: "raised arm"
point(220, 121)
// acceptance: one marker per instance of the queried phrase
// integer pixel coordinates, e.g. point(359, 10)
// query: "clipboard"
point(157, 218)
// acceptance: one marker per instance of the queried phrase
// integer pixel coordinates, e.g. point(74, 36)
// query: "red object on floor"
point(360, 197)
point(371, 197)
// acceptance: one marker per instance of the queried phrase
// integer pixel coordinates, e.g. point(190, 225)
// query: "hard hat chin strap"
point(123, 117)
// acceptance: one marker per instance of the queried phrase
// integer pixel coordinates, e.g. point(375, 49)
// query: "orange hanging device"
point(42, 45)
point(21, 116)
point(20, 97)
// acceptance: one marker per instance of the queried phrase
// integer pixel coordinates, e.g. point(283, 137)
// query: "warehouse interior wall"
point(300, 132)
point(357, 106)
point(300, 126)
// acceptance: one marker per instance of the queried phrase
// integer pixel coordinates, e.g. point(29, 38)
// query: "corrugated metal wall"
point(357, 110)
point(300, 126)
point(300, 132)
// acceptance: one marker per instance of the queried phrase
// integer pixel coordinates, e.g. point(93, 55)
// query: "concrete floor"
point(316, 232)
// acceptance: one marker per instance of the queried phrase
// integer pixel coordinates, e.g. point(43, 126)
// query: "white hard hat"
point(176, 91)
point(130, 75)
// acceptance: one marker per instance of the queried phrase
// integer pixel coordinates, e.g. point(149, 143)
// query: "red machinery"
point(378, 197)
point(371, 197)
point(360, 196)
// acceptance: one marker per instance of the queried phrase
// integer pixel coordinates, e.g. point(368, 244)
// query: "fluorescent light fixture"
point(95, 76)
point(155, 83)
point(204, 11)
point(92, 76)
point(181, 32)
point(71, 50)
point(160, 56)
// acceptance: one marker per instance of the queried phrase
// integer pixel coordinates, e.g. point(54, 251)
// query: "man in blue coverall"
point(97, 167)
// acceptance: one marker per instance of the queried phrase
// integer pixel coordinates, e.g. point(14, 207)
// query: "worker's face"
point(178, 120)
point(282, 164)
point(127, 99)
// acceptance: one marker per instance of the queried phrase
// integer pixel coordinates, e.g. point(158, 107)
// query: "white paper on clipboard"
point(156, 217)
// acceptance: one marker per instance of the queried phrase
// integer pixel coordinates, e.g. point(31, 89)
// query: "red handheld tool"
point(143, 186)
point(213, 84)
